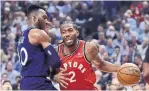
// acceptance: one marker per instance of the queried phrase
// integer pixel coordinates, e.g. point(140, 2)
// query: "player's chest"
point(79, 57)
point(75, 65)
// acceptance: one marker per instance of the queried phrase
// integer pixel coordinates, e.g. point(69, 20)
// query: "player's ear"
point(34, 18)
point(76, 28)
point(77, 33)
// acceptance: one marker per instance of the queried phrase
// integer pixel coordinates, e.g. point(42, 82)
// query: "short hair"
point(4, 74)
point(6, 81)
point(7, 64)
point(69, 22)
point(18, 77)
point(117, 47)
point(32, 8)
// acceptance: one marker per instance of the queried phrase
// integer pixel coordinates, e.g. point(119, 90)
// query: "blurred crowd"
point(121, 28)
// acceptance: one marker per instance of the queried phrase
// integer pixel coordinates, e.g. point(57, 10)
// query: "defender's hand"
point(61, 78)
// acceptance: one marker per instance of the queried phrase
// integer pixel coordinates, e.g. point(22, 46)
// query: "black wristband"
point(52, 57)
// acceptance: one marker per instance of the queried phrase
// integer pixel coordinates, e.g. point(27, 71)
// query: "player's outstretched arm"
point(91, 52)
point(145, 66)
point(40, 37)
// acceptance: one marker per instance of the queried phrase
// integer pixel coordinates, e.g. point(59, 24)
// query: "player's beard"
point(41, 24)
point(71, 43)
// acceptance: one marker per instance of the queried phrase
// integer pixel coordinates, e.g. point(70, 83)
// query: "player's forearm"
point(52, 57)
point(146, 72)
point(108, 67)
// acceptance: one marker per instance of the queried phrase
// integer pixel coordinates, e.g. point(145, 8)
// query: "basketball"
point(128, 74)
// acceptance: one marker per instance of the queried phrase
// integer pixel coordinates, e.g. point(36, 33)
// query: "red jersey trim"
point(71, 54)
point(85, 54)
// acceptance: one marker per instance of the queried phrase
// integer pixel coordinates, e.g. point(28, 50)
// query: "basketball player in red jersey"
point(77, 56)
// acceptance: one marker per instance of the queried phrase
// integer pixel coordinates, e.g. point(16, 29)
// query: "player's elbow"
point(100, 66)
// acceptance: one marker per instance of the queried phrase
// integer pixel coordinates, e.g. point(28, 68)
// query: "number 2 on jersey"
point(72, 78)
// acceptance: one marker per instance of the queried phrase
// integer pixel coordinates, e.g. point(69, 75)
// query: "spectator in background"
point(128, 19)
point(5, 41)
point(56, 30)
point(68, 18)
point(64, 7)
point(11, 72)
point(118, 41)
point(102, 39)
point(109, 47)
point(102, 49)
point(116, 56)
point(111, 33)
point(132, 53)
point(83, 15)
point(11, 53)
point(144, 25)
point(108, 24)
point(143, 47)
point(125, 59)
point(146, 31)
point(137, 88)
point(127, 32)
point(106, 57)
point(99, 30)
point(4, 77)
point(142, 85)
point(129, 12)
point(115, 85)
point(6, 85)
point(145, 9)
point(136, 8)
point(134, 41)
point(144, 22)
point(117, 23)
point(19, 34)
point(52, 7)
point(122, 26)
point(3, 61)
point(61, 7)
point(138, 61)
point(125, 48)
point(17, 85)
point(111, 9)
point(138, 30)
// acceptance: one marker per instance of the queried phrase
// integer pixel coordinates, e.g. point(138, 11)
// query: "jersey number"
point(24, 59)
point(72, 78)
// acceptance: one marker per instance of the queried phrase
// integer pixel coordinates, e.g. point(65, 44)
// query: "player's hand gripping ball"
point(129, 74)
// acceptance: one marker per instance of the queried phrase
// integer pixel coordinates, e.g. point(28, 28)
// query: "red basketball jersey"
point(82, 76)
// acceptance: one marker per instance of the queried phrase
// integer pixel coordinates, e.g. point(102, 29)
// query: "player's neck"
point(70, 50)
point(30, 24)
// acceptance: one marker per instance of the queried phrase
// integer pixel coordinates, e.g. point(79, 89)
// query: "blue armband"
point(52, 57)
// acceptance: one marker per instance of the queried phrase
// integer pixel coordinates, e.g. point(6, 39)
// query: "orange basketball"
point(128, 74)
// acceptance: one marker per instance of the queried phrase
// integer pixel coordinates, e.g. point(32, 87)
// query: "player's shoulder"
point(37, 33)
point(91, 46)
point(36, 36)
